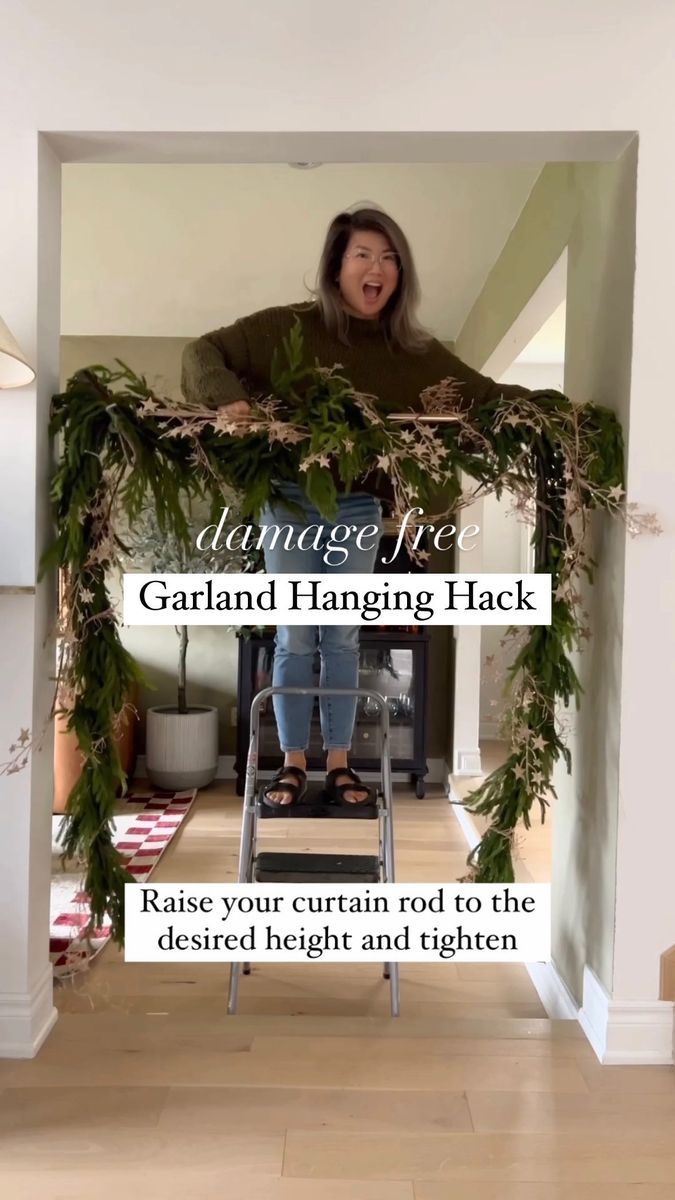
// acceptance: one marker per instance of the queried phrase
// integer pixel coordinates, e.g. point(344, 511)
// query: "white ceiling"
point(176, 249)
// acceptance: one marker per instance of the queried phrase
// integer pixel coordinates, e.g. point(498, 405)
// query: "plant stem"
point(182, 654)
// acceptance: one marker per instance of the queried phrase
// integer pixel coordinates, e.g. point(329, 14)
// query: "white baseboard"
point(462, 817)
point(626, 1032)
point(622, 1032)
point(553, 992)
point(467, 763)
point(437, 770)
point(225, 767)
point(436, 773)
point(550, 987)
point(27, 1018)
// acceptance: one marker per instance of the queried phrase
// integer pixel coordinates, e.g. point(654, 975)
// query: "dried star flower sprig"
point(19, 752)
point(316, 430)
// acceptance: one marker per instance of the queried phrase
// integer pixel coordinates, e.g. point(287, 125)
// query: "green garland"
point(542, 673)
point(122, 444)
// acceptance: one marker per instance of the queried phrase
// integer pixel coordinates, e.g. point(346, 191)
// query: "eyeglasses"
point(389, 259)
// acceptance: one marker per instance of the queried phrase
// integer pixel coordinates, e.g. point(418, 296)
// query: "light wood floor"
point(312, 1090)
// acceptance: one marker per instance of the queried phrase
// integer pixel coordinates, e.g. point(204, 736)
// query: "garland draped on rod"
point(123, 446)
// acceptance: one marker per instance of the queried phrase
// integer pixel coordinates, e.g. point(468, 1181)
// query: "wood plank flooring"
point(312, 1089)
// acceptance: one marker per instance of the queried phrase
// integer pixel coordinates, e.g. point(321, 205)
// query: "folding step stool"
point(316, 868)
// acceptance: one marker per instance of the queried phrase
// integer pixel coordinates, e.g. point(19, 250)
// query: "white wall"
point(445, 68)
point(608, 736)
point(536, 374)
point(588, 209)
point(504, 548)
point(502, 552)
point(173, 250)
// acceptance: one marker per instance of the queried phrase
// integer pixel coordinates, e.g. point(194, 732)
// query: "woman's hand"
point(237, 410)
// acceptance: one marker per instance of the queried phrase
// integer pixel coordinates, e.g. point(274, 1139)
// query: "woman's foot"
point(291, 759)
point(336, 759)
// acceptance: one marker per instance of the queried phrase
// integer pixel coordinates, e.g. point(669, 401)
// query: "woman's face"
point(369, 274)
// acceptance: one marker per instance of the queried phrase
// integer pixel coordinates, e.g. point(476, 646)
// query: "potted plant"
point(68, 757)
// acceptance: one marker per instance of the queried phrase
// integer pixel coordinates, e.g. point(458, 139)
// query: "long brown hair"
point(401, 327)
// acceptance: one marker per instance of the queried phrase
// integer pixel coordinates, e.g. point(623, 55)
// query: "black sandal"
point(280, 784)
point(335, 792)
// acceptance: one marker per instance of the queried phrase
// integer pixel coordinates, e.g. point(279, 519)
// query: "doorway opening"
point(183, 150)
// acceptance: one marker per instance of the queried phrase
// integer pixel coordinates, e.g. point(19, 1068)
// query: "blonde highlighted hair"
point(401, 327)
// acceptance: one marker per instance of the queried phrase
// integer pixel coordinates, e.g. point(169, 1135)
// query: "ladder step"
point(276, 867)
point(314, 805)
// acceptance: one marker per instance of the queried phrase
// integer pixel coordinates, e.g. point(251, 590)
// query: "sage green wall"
point(590, 207)
point(212, 652)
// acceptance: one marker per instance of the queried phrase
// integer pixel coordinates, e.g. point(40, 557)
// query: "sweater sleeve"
point(480, 389)
point(509, 391)
point(215, 367)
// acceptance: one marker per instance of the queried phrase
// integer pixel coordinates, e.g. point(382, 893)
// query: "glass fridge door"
point(387, 671)
point(391, 673)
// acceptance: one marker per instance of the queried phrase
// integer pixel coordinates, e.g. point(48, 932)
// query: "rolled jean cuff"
point(338, 747)
point(294, 749)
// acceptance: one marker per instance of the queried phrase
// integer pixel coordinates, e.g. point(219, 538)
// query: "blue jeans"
point(295, 645)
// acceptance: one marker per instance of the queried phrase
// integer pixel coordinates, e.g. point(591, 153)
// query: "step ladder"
point(275, 867)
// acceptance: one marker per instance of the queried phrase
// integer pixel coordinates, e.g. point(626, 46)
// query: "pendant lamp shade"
point(14, 369)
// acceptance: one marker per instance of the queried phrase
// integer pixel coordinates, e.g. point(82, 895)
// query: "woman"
point(363, 317)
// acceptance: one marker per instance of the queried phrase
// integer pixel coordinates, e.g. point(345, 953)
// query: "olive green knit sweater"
point(234, 363)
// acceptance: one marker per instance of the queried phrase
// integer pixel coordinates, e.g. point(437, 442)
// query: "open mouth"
point(372, 291)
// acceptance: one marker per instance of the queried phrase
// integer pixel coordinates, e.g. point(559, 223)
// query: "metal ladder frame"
point(247, 843)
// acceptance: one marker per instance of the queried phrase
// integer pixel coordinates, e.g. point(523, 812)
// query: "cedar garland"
point(123, 446)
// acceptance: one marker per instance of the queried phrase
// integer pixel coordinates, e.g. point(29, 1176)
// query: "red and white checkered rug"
point(141, 836)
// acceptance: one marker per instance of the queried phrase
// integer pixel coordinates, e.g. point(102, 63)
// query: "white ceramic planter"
point(181, 749)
